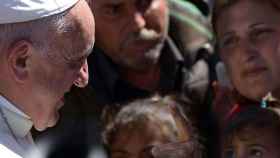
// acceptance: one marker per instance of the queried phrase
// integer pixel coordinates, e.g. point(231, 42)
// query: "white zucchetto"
point(14, 11)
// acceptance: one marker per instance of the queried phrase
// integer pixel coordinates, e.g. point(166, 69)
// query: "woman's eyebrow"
point(256, 24)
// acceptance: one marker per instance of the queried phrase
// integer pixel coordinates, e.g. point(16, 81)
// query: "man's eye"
point(75, 65)
point(113, 9)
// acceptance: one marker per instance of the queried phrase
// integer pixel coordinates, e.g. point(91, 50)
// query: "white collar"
point(18, 121)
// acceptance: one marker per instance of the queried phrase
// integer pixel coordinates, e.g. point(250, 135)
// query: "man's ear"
point(18, 57)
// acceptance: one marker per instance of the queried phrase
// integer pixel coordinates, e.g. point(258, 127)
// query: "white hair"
point(36, 31)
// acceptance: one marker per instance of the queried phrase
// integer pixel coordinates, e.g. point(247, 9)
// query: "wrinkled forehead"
point(73, 47)
point(77, 45)
point(79, 52)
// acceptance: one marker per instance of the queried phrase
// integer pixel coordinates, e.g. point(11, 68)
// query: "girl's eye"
point(256, 152)
point(229, 153)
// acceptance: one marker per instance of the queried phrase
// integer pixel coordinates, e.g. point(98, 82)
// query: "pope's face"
point(248, 36)
point(60, 66)
point(131, 32)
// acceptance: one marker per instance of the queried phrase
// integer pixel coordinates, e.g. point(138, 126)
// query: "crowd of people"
point(139, 78)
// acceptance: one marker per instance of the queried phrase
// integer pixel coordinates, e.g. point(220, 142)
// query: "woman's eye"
point(227, 42)
point(261, 33)
point(113, 9)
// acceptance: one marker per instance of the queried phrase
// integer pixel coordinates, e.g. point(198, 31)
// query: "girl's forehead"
point(252, 135)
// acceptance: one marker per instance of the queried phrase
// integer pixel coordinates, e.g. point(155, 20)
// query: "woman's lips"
point(254, 72)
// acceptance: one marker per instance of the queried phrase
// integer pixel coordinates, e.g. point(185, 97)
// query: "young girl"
point(152, 127)
point(252, 133)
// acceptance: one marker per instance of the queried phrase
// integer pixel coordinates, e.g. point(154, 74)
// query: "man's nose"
point(83, 76)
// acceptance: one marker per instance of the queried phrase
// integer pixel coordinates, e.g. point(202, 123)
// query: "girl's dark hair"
point(253, 117)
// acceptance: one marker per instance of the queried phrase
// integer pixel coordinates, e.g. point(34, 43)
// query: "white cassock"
point(15, 136)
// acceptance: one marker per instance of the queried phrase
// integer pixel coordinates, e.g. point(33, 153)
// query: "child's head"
point(253, 133)
point(145, 123)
